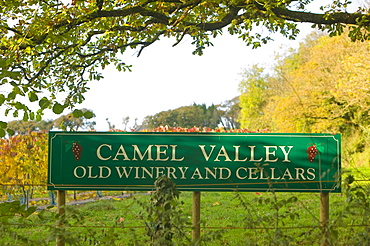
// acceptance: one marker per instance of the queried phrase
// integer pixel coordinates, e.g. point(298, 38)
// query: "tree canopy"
point(23, 127)
point(321, 87)
point(49, 50)
point(75, 122)
point(196, 115)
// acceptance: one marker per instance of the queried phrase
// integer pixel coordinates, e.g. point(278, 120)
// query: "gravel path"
point(79, 202)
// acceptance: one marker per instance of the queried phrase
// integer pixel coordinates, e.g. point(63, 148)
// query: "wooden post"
point(27, 198)
point(196, 216)
point(324, 218)
point(61, 203)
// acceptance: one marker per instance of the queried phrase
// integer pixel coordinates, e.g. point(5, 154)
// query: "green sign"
point(195, 161)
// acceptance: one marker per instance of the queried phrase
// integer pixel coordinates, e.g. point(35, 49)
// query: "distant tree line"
point(197, 115)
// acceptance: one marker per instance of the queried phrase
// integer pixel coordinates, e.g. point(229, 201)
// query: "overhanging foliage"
point(49, 50)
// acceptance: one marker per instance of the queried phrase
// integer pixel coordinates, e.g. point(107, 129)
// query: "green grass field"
point(227, 218)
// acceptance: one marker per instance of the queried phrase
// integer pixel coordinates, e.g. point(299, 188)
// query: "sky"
point(165, 77)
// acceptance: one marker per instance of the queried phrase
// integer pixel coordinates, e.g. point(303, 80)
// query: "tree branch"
point(324, 19)
point(233, 14)
point(46, 65)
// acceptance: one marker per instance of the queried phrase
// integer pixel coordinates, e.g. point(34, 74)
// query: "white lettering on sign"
point(286, 153)
point(133, 153)
point(237, 154)
point(270, 173)
point(98, 151)
point(79, 172)
point(242, 154)
point(103, 172)
point(258, 156)
point(148, 152)
point(270, 153)
point(216, 173)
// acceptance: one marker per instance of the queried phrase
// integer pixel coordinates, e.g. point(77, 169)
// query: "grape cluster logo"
point(76, 149)
point(313, 150)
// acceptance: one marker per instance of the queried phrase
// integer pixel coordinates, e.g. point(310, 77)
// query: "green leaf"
point(2, 63)
point(77, 113)
point(58, 108)
point(2, 99)
point(25, 88)
point(32, 96)
point(32, 115)
point(3, 124)
point(12, 75)
point(88, 114)
point(2, 133)
point(28, 212)
point(38, 117)
point(25, 116)
point(44, 103)
point(12, 95)
point(350, 179)
point(19, 105)
point(320, 147)
point(10, 132)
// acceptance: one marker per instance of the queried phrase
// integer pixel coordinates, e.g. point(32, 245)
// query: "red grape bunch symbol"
point(76, 149)
point(313, 150)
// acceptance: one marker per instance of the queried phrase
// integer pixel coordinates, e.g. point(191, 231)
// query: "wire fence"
point(347, 221)
point(189, 227)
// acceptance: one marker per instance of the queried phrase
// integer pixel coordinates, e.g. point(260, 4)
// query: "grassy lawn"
point(227, 218)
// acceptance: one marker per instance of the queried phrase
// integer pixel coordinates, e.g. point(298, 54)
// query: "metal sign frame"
point(195, 161)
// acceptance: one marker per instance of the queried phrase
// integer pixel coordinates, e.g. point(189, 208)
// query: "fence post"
point(61, 202)
point(196, 216)
point(27, 198)
point(52, 198)
point(324, 218)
